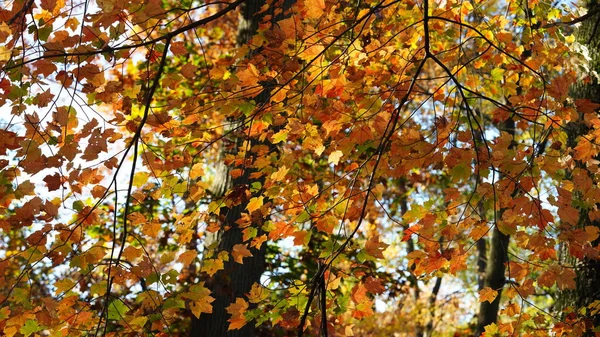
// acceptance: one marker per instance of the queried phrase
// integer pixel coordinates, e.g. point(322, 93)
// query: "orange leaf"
point(258, 241)
point(151, 229)
point(585, 150)
point(237, 310)
point(239, 252)
point(374, 285)
point(196, 171)
point(132, 253)
point(487, 294)
point(98, 191)
point(178, 48)
point(359, 293)
point(187, 257)
point(375, 248)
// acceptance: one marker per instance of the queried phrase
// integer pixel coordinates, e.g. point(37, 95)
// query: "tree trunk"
point(235, 280)
point(495, 266)
point(494, 278)
point(588, 270)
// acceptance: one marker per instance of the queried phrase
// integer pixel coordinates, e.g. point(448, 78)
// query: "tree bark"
point(235, 280)
point(495, 266)
point(588, 270)
point(494, 278)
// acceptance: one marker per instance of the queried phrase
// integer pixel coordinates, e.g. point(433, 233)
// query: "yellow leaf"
point(466, 8)
point(254, 204)
point(196, 171)
point(258, 293)
point(334, 157)
point(280, 174)
point(280, 136)
point(487, 294)
point(5, 54)
point(200, 299)
point(139, 321)
point(211, 266)
point(140, 178)
point(63, 286)
point(491, 330)
point(239, 252)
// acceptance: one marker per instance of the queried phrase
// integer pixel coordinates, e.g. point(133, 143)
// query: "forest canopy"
point(299, 167)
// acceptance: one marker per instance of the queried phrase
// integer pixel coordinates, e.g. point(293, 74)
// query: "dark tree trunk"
point(235, 280)
point(481, 262)
point(495, 265)
point(588, 270)
point(494, 278)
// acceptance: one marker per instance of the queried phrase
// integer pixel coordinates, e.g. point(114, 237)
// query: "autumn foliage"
point(387, 146)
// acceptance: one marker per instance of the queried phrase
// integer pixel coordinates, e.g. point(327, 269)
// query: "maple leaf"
point(237, 311)
point(53, 182)
point(200, 299)
point(487, 294)
point(178, 48)
point(375, 248)
point(585, 150)
point(586, 106)
point(254, 204)
point(374, 285)
point(258, 241)
point(359, 293)
point(187, 257)
point(239, 252)
point(414, 229)
point(151, 228)
point(258, 293)
point(132, 253)
point(280, 174)
point(98, 191)
point(362, 134)
point(212, 266)
point(334, 157)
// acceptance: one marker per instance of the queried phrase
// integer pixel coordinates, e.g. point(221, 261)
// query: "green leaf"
point(246, 108)
point(117, 310)
point(303, 217)
point(174, 303)
point(497, 74)
point(170, 277)
point(30, 327)
point(280, 136)
point(44, 32)
point(78, 205)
